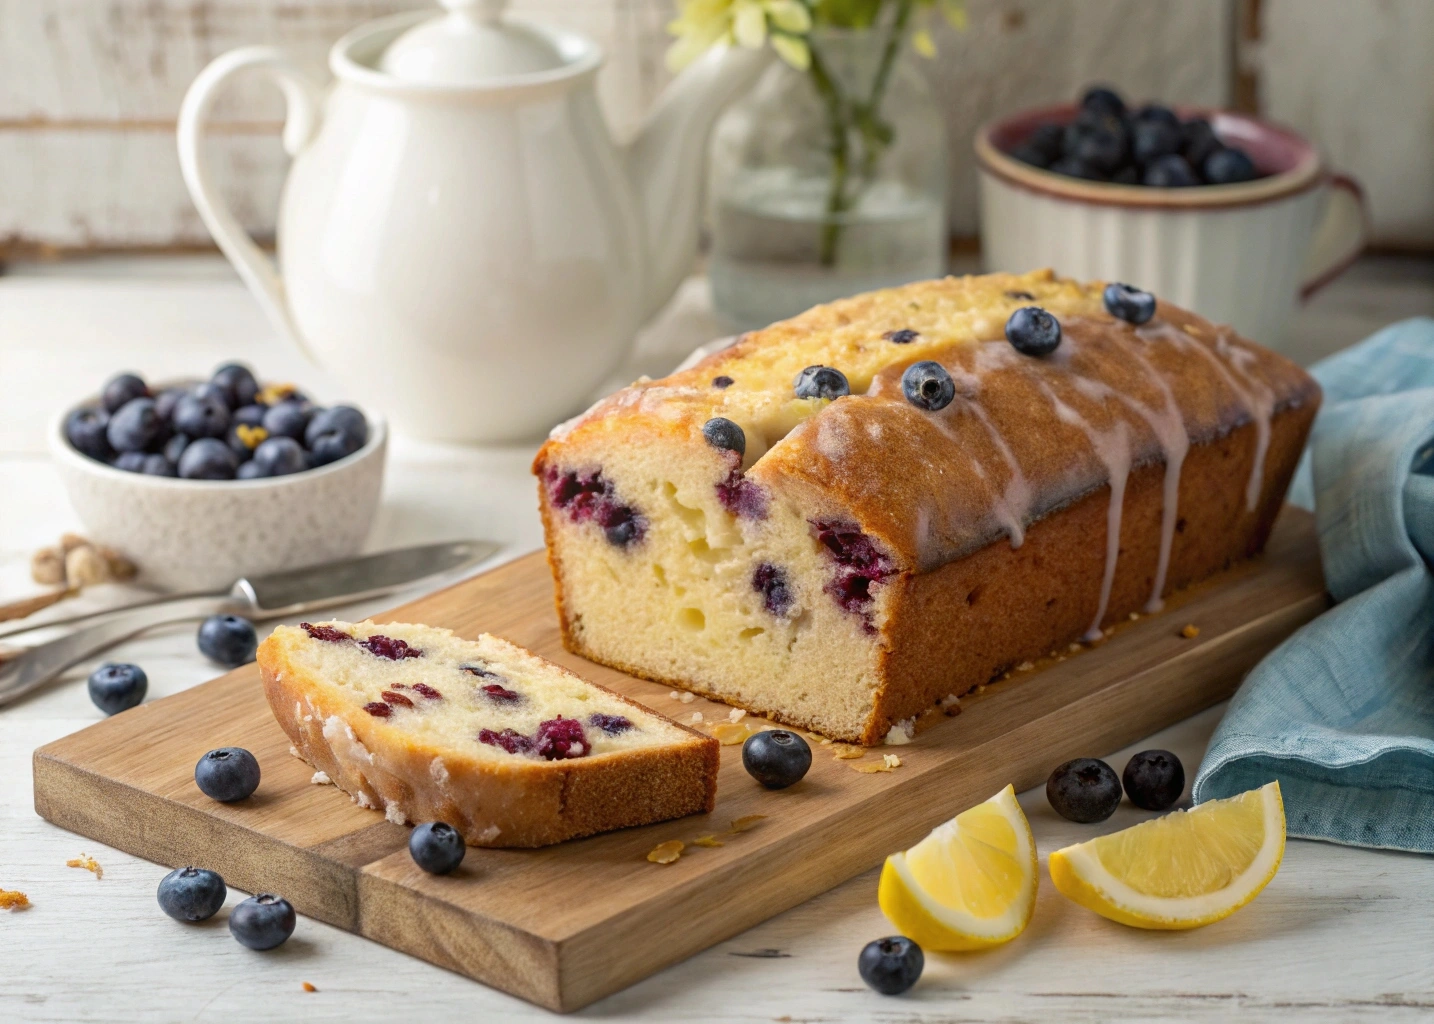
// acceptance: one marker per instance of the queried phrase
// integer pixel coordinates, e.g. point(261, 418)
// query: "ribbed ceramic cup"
point(1243, 254)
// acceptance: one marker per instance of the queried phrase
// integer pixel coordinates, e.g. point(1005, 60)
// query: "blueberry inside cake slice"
point(509, 748)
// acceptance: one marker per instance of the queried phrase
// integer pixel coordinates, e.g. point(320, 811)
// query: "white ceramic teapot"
point(460, 241)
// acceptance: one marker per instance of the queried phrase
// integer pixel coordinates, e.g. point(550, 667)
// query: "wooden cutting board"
point(566, 925)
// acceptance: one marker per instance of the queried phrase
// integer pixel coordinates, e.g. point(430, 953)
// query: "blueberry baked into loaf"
point(508, 748)
point(849, 516)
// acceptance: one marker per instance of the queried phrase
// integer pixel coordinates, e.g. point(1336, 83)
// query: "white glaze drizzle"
point(1013, 504)
point(1112, 448)
point(1257, 398)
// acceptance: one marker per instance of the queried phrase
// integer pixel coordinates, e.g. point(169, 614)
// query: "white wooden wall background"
point(89, 91)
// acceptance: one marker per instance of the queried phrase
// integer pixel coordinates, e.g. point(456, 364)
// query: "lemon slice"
point(1184, 870)
point(970, 884)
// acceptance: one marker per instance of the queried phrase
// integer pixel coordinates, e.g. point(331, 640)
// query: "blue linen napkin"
point(1342, 713)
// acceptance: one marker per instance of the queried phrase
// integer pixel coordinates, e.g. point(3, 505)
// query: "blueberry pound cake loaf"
point(845, 519)
point(510, 749)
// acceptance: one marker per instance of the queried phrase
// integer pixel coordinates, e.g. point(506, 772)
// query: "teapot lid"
point(471, 43)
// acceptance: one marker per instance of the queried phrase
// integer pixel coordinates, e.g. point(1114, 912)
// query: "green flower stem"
point(873, 127)
point(838, 125)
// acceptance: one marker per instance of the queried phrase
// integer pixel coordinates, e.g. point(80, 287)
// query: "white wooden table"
point(1340, 935)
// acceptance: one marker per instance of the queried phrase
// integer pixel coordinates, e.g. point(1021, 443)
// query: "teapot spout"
point(667, 162)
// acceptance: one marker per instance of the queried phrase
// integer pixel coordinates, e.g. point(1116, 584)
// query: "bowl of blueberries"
point(1216, 211)
point(201, 482)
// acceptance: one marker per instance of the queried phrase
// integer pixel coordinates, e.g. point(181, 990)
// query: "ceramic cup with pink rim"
point(1243, 254)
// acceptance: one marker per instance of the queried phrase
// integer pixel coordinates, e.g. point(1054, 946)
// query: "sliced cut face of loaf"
point(793, 527)
point(505, 746)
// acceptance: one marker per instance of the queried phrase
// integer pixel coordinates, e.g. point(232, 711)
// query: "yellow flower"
point(701, 24)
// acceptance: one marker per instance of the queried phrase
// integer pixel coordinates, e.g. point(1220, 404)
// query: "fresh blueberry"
point(208, 459)
point(1150, 140)
point(437, 847)
point(1084, 790)
point(135, 427)
point(238, 384)
point(1169, 172)
point(1129, 304)
point(1198, 141)
point(191, 894)
point(166, 400)
point(158, 465)
point(1072, 167)
point(821, 382)
point(250, 415)
point(174, 447)
point(1047, 140)
point(891, 965)
point(1155, 113)
point(250, 470)
point(1228, 166)
point(263, 921)
point(1028, 154)
point(777, 758)
point(1154, 779)
point(287, 419)
point(227, 774)
point(86, 430)
point(116, 687)
point(334, 434)
point(1033, 331)
point(228, 639)
point(1103, 100)
point(201, 414)
point(130, 462)
point(280, 456)
point(122, 390)
point(725, 435)
point(928, 386)
point(1098, 141)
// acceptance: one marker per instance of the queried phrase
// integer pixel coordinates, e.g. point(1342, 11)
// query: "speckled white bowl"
point(205, 534)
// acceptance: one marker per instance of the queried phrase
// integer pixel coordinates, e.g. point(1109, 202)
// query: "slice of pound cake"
point(510, 749)
point(847, 518)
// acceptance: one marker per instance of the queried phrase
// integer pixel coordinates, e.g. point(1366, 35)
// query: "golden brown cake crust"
point(515, 803)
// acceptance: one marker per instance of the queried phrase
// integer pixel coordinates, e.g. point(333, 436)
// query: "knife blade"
point(260, 597)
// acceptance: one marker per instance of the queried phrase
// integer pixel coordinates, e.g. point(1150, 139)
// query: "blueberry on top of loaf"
point(481, 734)
point(783, 573)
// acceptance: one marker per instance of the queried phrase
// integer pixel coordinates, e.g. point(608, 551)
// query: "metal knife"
point(271, 596)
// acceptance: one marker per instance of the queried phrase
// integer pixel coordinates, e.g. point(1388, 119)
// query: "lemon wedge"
point(970, 884)
point(1184, 870)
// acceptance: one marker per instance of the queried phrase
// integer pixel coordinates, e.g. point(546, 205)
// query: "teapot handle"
point(302, 98)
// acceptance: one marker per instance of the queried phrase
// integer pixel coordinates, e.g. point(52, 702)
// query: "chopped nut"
point(309, 987)
point(891, 760)
point(87, 862)
point(729, 733)
point(70, 541)
point(85, 566)
point(688, 698)
point(666, 853)
point(696, 717)
point(708, 840)
point(10, 899)
point(1025, 666)
point(736, 715)
point(847, 751)
point(47, 567)
point(1190, 632)
point(745, 822)
point(121, 568)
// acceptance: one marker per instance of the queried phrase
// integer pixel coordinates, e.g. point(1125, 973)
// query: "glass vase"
point(827, 182)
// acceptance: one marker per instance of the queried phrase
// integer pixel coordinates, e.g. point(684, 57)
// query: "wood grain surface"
point(566, 925)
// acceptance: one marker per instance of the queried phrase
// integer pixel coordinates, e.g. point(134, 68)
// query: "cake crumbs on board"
point(11, 899)
point(309, 987)
point(708, 840)
point(747, 821)
point(1190, 632)
point(87, 862)
point(729, 733)
point(847, 751)
point(666, 853)
point(888, 763)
